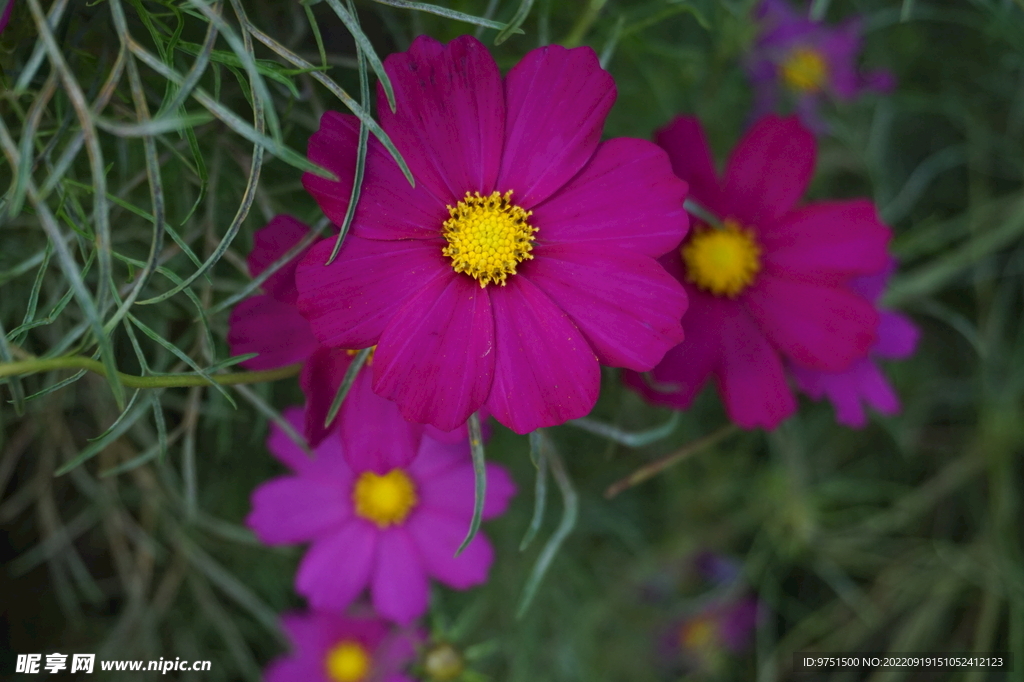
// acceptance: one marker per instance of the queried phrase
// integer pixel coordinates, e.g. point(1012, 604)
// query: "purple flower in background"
point(6, 15)
point(328, 647)
point(388, 532)
point(864, 381)
point(809, 60)
point(707, 637)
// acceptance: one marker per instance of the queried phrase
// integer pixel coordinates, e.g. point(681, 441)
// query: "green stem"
point(36, 365)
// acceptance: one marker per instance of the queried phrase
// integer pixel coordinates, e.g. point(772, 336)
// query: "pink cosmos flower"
point(770, 282)
point(808, 60)
point(329, 647)
point(864, 382)
point(270, 324)
point(387, 532)
point(6, 15)
point(524, 256)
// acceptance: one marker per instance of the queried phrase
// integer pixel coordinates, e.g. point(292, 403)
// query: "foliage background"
point(140, 151)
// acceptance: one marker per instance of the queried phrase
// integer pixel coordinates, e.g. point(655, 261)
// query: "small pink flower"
point(808, 61)
point(864, 381)
point(6, 15)
point(768, 284)
point(270, 324)
point(524, 256)
point(329, 647)
point(387, 532)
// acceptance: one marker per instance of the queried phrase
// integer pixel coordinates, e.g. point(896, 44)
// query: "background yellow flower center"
point(348, 662)
point(805, 70)
point(488, 237)
point(443, 663)
point(386, 500)
point(722, 260)
point(699, 633)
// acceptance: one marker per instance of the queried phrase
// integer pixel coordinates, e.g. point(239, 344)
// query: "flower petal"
point(545, 372)
point(388, 442)
point(349, 302)
point(557, 102)
point(450, 120)
point(296, 509)
point(275, 330)
point(830, 240)
point(293, 669)
point(400, 587)
point(751, 376)
point(454, 491)
point(897, 336)
point(768, 171)
point(626, 198)
point(284, 448)
point(625, 304)
point(819, 327)
point(336, 569)
point(438, 535)
point(435, 359)
point(271, 242)
point(691, 159)
point(388, 208)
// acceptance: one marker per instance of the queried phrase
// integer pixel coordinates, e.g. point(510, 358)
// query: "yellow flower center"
point(386, 500)
point(348, 662)
point(722, 260)
point(804, 70)
point(698, 634)
point(488, 237)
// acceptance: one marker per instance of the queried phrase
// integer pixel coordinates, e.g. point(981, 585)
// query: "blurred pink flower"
point(863, 382)
point(6, 15)
point(523, 257)
point(387, 532)
point(769, 283)
point(807, 60)
point(329, 647)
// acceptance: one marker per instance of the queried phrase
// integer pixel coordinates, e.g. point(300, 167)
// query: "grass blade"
point(476, 444)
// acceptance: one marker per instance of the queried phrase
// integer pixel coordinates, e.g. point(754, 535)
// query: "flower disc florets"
point(348, 661)
point(386, 500)
point(804, 70)
point(488, 237)
point(722, 260)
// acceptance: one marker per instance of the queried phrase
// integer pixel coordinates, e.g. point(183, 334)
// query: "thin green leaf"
point(346, 384)
point(476, 444)
point(446, 13)
point(632, 439)
point(124, 422)
point(352, 24)
point(540, 489)
point(517, 20)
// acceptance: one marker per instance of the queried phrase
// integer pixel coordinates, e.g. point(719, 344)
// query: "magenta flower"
point(706, 639)
point(809, 61)
point(769, 283)
point(524, 256)
point(6, 15)
point(387, 532)
point(270, 324)
point(863, 382)
point(329, 647)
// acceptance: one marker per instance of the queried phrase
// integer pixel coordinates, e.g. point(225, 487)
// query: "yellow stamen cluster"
point(488, 237)
point(804, 70)
point(348, 661)
point(722, 260)
point(386, 500)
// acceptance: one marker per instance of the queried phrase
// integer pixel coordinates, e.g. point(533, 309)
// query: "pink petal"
point(270, 243)
point(400, 588)
point(438, 535)
point(296, 509)
point(461, 433)
point(834, 239)
point(557, 102)
point(450, 120)
point(294, 670)
point(819, 327)
point(684, 370)
point(275, 330)
point(626, 198)
point(438, 457)
point(769, 170)
point(284, 448)
point(545, 372)
point(376, 436)
point(751, 377)
point(876, 389)
point(625, 304)
point(897, 336)
point(691, 158)
point(349, 302)
point(388, 208)
point(336, 569)
point(454, 491)
point(435, 359)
